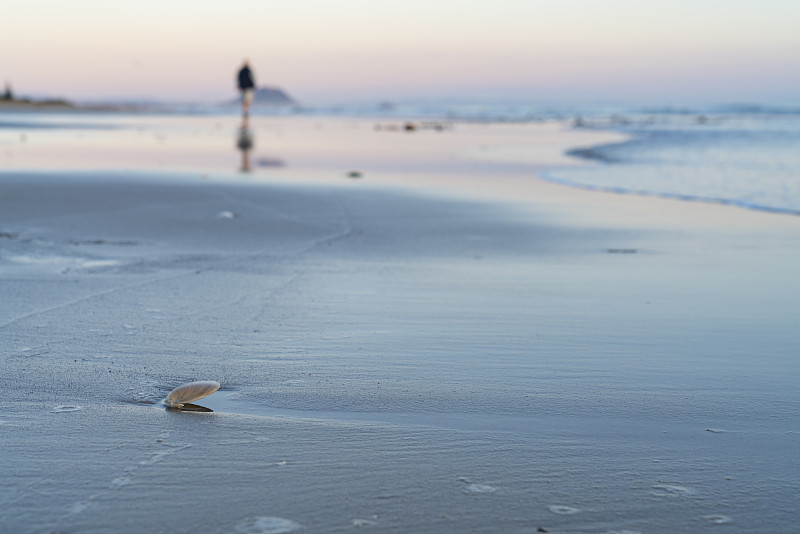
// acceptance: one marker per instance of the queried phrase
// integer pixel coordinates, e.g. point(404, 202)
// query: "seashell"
point(190, 392)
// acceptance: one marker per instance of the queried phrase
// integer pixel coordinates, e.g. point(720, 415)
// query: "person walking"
point(247, 88)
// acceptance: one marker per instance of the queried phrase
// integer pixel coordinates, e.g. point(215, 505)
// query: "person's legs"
point(247, 99)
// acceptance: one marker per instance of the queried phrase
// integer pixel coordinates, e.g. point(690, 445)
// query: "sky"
point(325, 52)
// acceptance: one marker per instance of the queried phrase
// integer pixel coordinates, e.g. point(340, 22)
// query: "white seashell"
point(190, 392)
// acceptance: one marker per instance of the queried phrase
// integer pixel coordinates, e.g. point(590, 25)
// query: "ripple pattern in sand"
point(165, 449)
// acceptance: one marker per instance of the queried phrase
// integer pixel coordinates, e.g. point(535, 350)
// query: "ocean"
point(743, 155)
point(749, 157)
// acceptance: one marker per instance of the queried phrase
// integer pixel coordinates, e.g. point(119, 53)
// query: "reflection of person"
point(246, 87)
point(244, 142)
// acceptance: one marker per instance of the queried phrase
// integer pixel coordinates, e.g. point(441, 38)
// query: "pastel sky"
point(351, 50)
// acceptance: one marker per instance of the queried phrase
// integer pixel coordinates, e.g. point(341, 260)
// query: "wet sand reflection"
point(245, 142)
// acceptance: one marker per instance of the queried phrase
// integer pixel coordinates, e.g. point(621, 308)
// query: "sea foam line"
point(548, 177)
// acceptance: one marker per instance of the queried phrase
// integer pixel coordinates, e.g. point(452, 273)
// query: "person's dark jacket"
point(246, 79)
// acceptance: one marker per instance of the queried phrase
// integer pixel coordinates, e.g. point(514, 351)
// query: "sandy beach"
point(443, 343)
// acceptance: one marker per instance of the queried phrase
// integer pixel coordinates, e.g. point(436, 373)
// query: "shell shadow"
point(188, 407)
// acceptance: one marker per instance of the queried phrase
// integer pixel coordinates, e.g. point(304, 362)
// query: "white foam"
point(39, 260)
point(119, 482)
point(562, 510)
point(718, 519)
point(79, 507)
point(671, 489)
point(67, 408)
point(266, 525)
point(97, 264)
point(293, 382)
point(225, 214)
point(481, 488)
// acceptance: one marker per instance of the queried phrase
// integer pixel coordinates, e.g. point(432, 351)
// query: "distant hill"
point(271, 97)
point(9, 101)
point(26, 104)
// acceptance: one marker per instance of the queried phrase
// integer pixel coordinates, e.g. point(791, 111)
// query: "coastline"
point(420, 350)
point(743, 160)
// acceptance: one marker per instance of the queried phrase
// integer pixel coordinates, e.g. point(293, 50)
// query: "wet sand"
point(445, 345)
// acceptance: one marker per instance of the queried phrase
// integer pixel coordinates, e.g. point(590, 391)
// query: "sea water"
point(748, 157)
point(741, 154)
point(745, 155)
